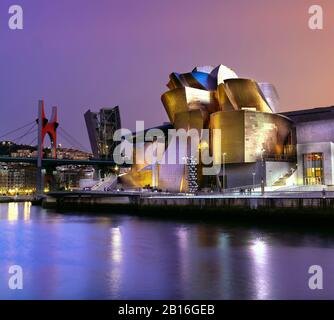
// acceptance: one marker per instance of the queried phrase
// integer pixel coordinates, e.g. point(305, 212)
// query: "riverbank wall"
point(291, 210)
point(5, 199)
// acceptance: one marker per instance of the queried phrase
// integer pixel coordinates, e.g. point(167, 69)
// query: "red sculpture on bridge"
point(46, 127)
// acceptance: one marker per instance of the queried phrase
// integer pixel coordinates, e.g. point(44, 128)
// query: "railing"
point(242, 189)
point(280, 157)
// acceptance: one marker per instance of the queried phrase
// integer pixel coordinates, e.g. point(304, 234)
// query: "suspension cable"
point(76, 142)
point(34, 140)
point(67, 140)
point(27, 133)
point(18, 129)
point(71, 138)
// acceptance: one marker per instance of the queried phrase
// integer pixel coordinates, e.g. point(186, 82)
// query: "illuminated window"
point(313, 168)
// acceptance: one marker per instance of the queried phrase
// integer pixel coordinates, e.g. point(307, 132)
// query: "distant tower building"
point(101, 127)
point(91, 119)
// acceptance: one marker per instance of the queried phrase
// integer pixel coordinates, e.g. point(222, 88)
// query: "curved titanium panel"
point(194, 119)
point(222, 73)
point(247, 135)
point(232, 138)
point(136, 179)
point(187, 99)
point(199, 80)
point(174, 101)
point(175, 81)
point(223, 99)
point(270, 93)
point(204, 69)
point(245, 93)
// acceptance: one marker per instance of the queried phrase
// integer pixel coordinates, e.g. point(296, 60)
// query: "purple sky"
point(81, 54)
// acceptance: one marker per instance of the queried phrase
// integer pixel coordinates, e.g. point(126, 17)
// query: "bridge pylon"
point(45, 127)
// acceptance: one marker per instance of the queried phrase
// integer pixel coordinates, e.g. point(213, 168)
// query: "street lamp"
point(224, 171)
point(270, 178)
point(253, 179)
point(262, 171)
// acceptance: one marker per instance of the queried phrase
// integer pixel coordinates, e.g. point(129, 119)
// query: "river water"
point(78, 256)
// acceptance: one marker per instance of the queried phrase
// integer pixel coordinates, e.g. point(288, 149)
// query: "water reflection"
point(182, 235)
point(116, 245)
point(260, 258)
point(259, 250)
point(208, 237)
point(26, 212)
point(13, 211)
point(227, 268)
point(121, 257)
point(116, 260)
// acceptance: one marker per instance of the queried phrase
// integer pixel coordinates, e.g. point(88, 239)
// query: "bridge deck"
point(61, 162)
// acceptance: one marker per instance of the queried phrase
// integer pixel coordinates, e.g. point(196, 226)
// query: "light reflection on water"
point(13, 211)
point(260, 257)
point(121, 257)
point(27, 208)
point(116, 260)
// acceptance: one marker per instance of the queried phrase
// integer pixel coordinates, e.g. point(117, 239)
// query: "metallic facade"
point(216, 98)
point(246, 136)
point(271, 95)
point(246, 94)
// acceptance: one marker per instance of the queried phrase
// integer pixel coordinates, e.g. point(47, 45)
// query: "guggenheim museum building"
point(256, 145)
